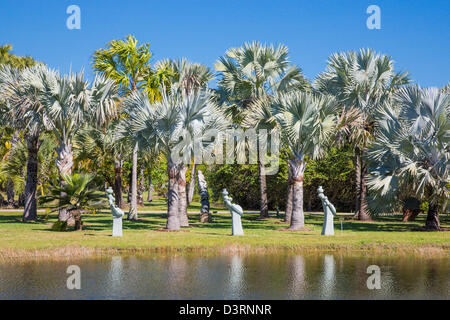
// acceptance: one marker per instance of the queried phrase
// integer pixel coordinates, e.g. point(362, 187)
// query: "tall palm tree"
point(307, 123)
point(412, 152)
point(254, 72)
point(159, 127)
point(127, 64)
point(24, 111)
point(260, 115)
point(361, 82)
point(188, 78)
point(7, 58)
point(67, 102)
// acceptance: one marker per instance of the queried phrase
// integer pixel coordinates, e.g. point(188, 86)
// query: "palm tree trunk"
point(130, 177)
point(432, 222)
point(132, 214)
point(289, 198)
point(363, 207)
point(64, 163)
point(78, 223)
point(357, 181)
point(118, 188)
point(264, 210)
point(150, 186)
point(182, 201)
point(30, 207)
point(298, 216)
point(173, 221)
point(361, 210)
point(141, 189)
point(192, 184)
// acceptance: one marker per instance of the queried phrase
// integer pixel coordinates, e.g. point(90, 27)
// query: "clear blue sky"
point(415, 33)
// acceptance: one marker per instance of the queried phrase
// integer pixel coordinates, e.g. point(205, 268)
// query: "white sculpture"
point(116, 212)
point(236, 214)
point(329, 213)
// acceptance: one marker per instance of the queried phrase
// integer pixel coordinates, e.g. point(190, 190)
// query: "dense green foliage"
point(335, 173)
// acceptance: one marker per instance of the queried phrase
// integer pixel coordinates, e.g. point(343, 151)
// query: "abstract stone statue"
point(117, 214)
point(205, 216)
point(236, 214)
point(329, 212)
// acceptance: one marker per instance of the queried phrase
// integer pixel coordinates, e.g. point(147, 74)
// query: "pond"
point(251, 276)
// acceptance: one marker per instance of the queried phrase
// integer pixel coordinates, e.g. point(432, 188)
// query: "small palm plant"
point(77, 195)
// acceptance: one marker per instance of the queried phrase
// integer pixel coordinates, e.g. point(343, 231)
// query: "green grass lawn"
point(386, 235)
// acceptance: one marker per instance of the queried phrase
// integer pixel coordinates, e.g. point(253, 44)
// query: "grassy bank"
point(388, 235)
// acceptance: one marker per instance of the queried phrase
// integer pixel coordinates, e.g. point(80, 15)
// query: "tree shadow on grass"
point(18, 220)
point(107, 224)
point(377, 227)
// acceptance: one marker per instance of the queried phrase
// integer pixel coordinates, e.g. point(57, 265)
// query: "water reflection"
point(328, 277)
point(177, 269)
point(115, 275)
point(274, 276)
point(297, 280)
point(236, 277)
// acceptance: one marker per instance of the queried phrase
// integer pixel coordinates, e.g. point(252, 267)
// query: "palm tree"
point(260, 115)
point(12, 137)
point(14, 166)
point(76, 195)
point(254, 72)
point(361, 82)
point(24, 111)
point(96, 140)
point(9, 59)
point(95, 149)
point(307, 123)
point(188, 78)
point(66, 103)
point(127, 64)
point(446, 89)
point(158, 127)
point(412, 152)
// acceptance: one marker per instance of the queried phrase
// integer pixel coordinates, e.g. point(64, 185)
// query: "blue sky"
point(415, 33)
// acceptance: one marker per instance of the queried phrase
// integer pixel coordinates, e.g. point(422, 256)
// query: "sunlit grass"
point(387, 234)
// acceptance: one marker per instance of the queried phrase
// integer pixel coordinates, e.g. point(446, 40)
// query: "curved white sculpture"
point(236, 214)
point(329, 213)
point(117, 214)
